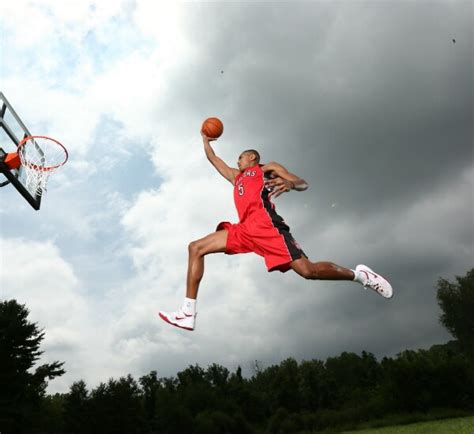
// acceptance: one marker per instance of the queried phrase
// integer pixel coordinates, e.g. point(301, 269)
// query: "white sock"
point(359, 277)
point(189, 306)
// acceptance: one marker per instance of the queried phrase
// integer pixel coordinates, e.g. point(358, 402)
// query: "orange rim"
point(35, 166)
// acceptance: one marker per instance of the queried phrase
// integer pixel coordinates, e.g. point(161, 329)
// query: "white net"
point(40, 156)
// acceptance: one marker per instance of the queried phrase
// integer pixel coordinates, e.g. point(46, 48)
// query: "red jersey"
point(250, 194)
point(260, 229)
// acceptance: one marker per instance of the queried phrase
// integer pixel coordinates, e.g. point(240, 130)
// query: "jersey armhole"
point(236, 175)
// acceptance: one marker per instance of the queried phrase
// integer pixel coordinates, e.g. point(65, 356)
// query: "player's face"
point(245, 160)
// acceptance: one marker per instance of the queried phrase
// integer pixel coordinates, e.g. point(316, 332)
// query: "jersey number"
point(241, 190)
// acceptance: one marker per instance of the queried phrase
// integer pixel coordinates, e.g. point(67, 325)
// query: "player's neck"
point(250, 167)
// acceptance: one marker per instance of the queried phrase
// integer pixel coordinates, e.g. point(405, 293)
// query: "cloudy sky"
point(370, 102)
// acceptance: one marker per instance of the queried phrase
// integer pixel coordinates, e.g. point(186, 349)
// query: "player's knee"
point(194, 248)
point(307, 273)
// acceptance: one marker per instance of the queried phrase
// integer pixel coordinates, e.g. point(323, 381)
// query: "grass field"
point(462, 425)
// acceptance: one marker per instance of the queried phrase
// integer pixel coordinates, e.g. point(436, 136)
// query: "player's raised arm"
point(227, 172)
point(283, 180)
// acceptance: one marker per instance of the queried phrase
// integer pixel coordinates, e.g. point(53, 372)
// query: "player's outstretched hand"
point(278, 186)
point(209, 139)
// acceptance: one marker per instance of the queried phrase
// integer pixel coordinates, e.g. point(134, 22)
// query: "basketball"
point(212, 127)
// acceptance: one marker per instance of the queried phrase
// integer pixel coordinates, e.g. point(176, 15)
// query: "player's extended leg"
point(321, 270)
point(213, 243)
point(330, 271)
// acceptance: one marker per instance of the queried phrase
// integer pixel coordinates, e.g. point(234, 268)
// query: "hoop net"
point(40, 156)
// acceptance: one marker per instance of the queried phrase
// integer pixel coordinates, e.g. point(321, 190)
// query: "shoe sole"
point(164, 318)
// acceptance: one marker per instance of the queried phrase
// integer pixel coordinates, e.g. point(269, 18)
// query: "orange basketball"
point(213, 128)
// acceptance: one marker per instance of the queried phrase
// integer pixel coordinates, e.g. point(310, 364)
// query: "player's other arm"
point(227, 172)
point(283, 180)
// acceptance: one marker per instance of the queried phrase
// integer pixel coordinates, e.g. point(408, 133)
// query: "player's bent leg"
point(213, 243)
point(185, 317)
point(320, 270)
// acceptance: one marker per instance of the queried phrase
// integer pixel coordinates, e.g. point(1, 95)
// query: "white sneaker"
point(179, 319)
point(376, 282)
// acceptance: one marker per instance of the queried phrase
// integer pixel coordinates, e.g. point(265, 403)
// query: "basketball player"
point(262, 231)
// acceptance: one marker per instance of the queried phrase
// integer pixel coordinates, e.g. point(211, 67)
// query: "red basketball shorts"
point(260, 235)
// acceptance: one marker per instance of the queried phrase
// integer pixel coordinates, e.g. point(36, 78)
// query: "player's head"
point(248, 158)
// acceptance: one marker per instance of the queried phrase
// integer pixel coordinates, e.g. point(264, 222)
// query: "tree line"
point(289, 397)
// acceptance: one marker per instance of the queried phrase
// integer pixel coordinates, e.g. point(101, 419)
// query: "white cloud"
point(162, 21)
point(36, 271)
point(35, 274)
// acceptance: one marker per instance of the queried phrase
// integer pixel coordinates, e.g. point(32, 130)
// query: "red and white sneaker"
point(179, 319)
point(375, 281)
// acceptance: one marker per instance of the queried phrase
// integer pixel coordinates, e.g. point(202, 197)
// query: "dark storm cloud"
point(351, 93)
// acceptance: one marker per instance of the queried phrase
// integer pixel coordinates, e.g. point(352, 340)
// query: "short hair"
point(254, 152)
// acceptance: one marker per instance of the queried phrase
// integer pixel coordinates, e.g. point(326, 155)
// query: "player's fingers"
point(210, 139)
point(277, 191)
point(277, 183)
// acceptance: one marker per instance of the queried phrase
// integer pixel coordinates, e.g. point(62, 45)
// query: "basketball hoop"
point(40, 156)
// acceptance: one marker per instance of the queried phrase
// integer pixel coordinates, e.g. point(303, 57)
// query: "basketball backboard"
point(12, 131)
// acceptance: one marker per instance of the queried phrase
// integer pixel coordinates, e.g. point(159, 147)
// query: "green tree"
point(425, 379)
point(245, 397)
point(217, 376)
point(195, 390)
point(171, 412)
point(52, 415)
point(150, 385)
point(76, 408)
point(351, 378)
point(116, 407)
point(21, 390)
point(456, 300)
point(217, 422)
point(312, 384)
